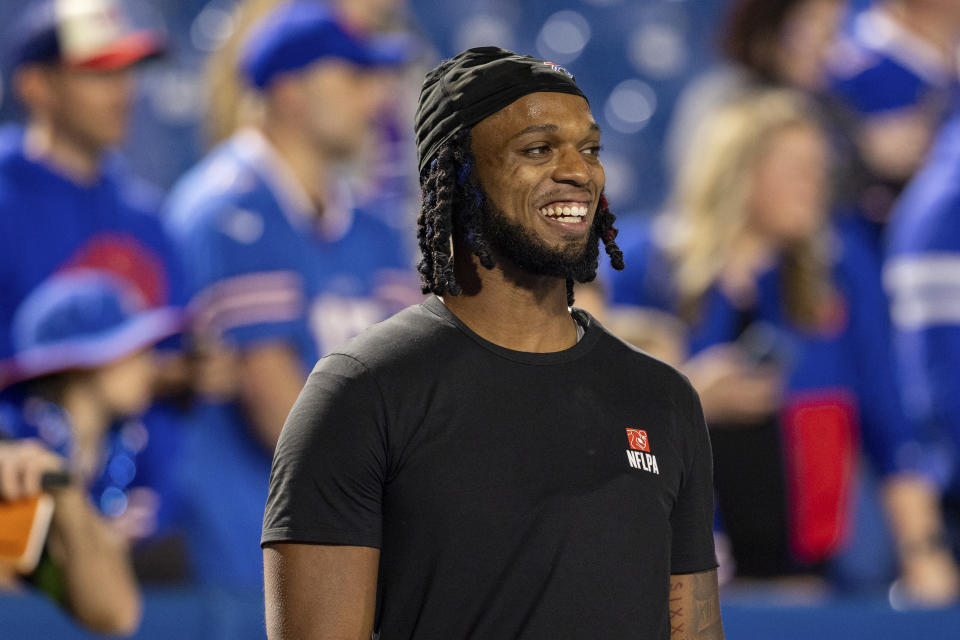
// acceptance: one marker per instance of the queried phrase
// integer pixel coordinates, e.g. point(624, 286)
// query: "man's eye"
point(537, 151)
point(593, 150)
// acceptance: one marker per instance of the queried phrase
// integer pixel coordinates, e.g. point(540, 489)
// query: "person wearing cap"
point(493, 463)
point(283, 263)
point(83, 362)
point(66, 199)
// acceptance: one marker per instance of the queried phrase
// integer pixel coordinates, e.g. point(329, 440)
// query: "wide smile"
point(567, 214)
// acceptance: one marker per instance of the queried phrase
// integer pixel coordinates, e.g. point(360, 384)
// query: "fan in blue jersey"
point(922, 275)
point(282, 264)
point(65, 200)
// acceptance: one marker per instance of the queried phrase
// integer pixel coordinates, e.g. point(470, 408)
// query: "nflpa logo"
point(637, 439)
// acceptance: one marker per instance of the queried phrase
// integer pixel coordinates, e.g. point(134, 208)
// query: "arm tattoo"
point(706, 614)
point(695, 608)
point(676, 608)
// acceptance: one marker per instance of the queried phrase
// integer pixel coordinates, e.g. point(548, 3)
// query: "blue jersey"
point(922, 275)
point(880, 66)
point(48, 222)
point(261, 266)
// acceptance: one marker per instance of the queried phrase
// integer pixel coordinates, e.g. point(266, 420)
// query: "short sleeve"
point(326, 485)
point(691, 521)
point(245, 283)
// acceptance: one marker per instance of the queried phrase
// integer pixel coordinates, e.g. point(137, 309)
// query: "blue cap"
point(298, 33)
point(85, 34)
point(81, 319)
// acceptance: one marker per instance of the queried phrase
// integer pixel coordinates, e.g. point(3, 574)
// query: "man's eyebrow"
point(537, 128)
point(550, 128)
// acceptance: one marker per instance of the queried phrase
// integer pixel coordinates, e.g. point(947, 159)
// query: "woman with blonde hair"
point(790, 355)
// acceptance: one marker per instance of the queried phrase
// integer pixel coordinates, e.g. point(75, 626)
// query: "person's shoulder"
point(16, 172)
point(926, 215)
point(11, 145)
point(414, 337)
point(219, 184)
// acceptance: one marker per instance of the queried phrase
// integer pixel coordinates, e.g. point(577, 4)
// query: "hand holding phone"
point(28, 472)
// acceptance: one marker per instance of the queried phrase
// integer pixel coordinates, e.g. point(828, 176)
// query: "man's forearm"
point(695, 607)
point(101, 589)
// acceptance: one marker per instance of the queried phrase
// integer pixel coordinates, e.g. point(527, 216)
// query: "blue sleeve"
point(888, 437)
point(922, 276)
point(244, 283)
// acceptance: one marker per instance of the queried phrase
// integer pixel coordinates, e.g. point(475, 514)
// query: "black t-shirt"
point(512, 494)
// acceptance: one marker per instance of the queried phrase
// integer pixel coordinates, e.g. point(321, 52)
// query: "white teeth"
point(565, 213)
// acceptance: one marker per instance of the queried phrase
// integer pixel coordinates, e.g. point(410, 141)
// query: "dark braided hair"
point(453, 205)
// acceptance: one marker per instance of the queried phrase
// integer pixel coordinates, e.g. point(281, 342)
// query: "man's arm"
point(695, 607)
point(101, 590)
point(928, 569)
point(269, 380)
point(320, 592)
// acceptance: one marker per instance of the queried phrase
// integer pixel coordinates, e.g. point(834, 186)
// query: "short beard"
point(575, 260)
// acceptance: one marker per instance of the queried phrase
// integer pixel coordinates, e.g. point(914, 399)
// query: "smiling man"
point(492, 463)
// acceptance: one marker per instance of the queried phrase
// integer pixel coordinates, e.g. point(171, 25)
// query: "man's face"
point(342, 101)
point(92, 107)
point(538, 164)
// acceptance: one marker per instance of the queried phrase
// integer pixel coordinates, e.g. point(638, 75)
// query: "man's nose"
point(571, 167)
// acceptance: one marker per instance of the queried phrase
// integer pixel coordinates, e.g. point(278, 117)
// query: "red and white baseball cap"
point(83, 34)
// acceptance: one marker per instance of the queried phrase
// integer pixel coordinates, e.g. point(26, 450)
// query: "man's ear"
point(286, 97)
point(32, 87)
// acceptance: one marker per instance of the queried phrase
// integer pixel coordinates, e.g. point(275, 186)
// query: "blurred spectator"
point(232, 100)
point(894, 71)
point(65, 199)
point(83, 363)
point(923, 278)
point(282, 266)
point(753, 270)
point(765, 43)
point(382, 169)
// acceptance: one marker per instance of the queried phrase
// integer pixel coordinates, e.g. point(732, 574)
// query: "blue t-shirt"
point(49, 222)
point(261, 267)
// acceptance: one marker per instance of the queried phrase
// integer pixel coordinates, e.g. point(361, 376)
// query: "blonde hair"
point(231, 103)
point(710, 206)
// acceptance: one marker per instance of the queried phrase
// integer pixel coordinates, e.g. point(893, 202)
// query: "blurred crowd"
point(803, 272)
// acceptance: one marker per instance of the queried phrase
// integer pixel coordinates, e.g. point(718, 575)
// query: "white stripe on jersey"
point(924, 290)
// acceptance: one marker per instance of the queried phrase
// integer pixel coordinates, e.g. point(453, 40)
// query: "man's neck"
point(309, 168)
point(514, 310)
point(63, 152)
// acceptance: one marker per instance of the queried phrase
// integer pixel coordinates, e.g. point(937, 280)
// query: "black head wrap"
point(477, 83)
